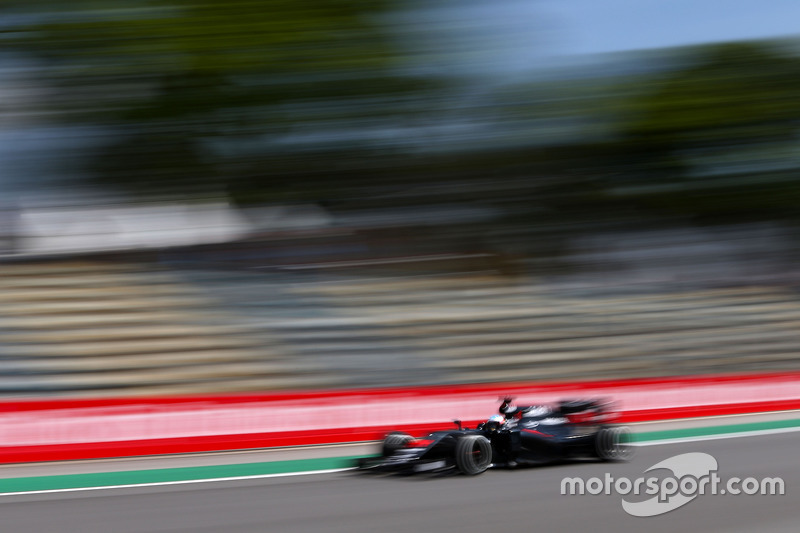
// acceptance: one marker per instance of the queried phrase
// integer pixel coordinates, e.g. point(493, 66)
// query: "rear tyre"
point(473, 454)
point(613, 444)
point(394, 441)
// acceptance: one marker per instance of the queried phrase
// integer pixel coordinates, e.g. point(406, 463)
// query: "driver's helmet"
point(495, 422)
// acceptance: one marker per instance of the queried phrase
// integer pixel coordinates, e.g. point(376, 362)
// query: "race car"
point(518, 435)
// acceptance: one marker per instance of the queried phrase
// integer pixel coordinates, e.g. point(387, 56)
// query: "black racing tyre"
point(613, 444)
point(473, 454)
point(394, 441)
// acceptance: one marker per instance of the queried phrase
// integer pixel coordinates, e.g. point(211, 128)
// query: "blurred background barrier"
point(146, 324)
point(82, 429)
point(50, 231)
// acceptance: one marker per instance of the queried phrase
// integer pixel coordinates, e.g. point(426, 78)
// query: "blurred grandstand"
point(331, 307)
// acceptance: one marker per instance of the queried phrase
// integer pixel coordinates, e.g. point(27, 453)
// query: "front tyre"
point(613, 444)
point(394, 441)
point(473, 454)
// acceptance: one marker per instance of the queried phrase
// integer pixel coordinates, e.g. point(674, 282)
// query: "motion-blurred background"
point(220, 196)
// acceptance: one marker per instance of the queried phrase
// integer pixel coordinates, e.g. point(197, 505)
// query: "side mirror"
point(458, 423)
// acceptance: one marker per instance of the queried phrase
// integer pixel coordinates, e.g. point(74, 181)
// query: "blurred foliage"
point(739, 92)
point(714, 138)
point(203, 93)
point(720, 137)
point(286, 101)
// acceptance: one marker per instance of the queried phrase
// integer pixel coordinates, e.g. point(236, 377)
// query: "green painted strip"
point(708, 431)
point(108, 479)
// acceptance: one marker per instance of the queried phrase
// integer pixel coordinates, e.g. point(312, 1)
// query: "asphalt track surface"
point(527, 499)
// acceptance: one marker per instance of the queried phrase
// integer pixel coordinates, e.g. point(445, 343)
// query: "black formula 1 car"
point(523, 435)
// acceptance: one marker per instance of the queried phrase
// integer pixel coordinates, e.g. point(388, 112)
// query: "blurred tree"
point(262, 97)
point(278, 100)
point(719, 137)
point(713, 136)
